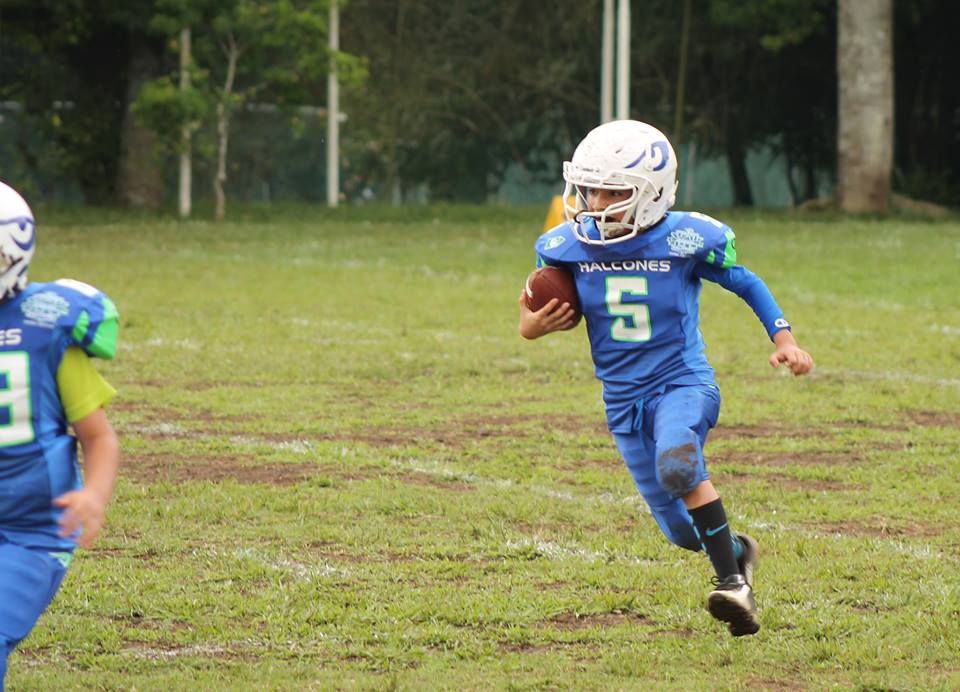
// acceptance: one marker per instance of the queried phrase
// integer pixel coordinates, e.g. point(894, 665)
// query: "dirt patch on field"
point(611, 464)
point(339, 557)
point(171, 468)
point(785, 481)
point(774, 685)
point(935, 419)
point(818, 484)
point(140, 622)
point(763, 430)
point(880, 529)
point(456, 434)
point(844, 454)
point(684, 633)
point(178, 469)
point(576, 425)
point(581, 621)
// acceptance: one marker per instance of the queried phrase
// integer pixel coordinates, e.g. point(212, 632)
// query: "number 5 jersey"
point(641, 302)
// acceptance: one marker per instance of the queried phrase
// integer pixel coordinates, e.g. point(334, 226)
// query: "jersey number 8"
point(16, 425)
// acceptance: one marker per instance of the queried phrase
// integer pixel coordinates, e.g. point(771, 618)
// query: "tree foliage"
point(245, 52)
point(452, 95)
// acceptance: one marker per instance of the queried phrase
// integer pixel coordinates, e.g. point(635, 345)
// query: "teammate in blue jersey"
point(48, 333)
point(638, 270)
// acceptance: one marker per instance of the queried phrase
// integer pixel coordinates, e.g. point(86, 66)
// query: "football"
point(552, 282)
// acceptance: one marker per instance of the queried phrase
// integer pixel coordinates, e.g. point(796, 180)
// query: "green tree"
point(757, 77)
point(247, 53)
point(459, 90)
point(67, 62)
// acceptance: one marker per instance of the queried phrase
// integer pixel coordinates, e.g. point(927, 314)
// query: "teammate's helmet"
point(621, 155)
point(17, 236)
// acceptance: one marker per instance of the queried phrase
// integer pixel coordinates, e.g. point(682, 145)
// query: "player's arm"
point(753, 291)
point(554, 316)
point(86, 508)
point(84, 392)
point(799, 361)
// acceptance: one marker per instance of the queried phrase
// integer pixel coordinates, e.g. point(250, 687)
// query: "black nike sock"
point(711, 523)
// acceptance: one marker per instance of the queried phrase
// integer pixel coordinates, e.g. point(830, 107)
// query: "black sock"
point(711, 523)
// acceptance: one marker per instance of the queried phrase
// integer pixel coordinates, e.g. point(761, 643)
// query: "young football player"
point(638, 269)
point(48, 333)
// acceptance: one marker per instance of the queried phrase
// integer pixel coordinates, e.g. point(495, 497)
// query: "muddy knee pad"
point(680, 467)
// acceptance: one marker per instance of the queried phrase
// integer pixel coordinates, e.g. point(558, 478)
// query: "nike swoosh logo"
point(714, 532)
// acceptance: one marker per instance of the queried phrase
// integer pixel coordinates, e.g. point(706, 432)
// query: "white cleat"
point(732, 602)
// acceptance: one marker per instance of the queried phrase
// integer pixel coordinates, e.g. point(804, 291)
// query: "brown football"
point(552, 282)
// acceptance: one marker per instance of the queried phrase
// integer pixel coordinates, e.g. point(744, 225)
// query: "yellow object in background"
point(555, 215)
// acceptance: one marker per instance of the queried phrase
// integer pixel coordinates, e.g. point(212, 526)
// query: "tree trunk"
point(737, 165)
point(223, 132)
point(139, 173)
point(865, 117)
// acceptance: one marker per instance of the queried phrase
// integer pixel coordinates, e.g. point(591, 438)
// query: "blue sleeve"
point(751, 289)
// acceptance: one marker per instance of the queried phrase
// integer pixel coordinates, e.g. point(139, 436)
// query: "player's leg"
point(670, 513)
point(29, 580)
point(681, 420)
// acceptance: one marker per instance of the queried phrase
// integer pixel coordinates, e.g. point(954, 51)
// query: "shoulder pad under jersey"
point(93, 321)
point(552, 246)
point(704, 238)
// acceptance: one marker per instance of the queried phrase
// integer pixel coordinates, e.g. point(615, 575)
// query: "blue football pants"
point(664, 454)
point(29, 579)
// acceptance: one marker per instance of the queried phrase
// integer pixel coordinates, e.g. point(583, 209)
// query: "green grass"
point(343, 468)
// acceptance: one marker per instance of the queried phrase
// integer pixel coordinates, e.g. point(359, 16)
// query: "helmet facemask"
point(622, 155)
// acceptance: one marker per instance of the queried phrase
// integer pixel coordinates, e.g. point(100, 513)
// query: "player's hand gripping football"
point(552, 317)
point(799, 361)
point(84, 509)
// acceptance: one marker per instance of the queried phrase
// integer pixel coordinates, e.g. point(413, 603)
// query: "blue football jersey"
point(641, 302)
point(38, 456)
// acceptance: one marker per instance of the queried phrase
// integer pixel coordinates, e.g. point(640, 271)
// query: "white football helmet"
point(17, 241)
point(621, 155)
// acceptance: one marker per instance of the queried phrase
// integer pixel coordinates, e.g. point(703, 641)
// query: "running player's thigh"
point(694, 408)
point(28, 582)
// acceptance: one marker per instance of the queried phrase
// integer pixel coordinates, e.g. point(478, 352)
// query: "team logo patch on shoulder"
point(684, 242)
point(555, 241)
point(44, 309)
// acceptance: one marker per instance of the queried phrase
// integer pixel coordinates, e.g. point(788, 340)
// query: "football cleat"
point(748, 560)
point(732, 602)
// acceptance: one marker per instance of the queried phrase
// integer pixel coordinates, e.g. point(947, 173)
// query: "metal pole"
point(333, 113)
point(623, 60)
point(606, 67)
point(186, 170)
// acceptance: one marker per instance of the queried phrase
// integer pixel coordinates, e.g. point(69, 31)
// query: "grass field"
point(343, 468)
